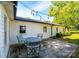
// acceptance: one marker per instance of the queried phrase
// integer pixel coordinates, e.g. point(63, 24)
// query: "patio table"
point(33, 39)
point(33, 46)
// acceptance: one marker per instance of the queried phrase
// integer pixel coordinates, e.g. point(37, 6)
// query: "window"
point(22, 29)
point(44, 29)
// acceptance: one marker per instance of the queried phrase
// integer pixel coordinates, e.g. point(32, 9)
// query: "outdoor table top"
point(32, 39)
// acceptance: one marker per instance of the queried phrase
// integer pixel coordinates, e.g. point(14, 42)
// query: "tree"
point(65, 12)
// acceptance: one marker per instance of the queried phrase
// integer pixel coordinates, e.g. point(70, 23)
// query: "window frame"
point(22, 29)
point(45, 29)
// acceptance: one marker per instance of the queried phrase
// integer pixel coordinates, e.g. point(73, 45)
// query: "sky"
point(41, 6)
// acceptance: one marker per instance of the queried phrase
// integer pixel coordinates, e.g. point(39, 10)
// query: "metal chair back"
point(40, 36)
point(20, 39)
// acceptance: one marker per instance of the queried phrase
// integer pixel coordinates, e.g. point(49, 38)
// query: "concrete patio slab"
point(51, 48)
point(57, 49)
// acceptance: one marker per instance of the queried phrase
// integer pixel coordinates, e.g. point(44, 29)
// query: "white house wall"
point(32, 29)
point(60, 29)
point(3, 48)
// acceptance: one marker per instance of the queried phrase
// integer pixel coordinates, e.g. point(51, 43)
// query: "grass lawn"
point(74, 39)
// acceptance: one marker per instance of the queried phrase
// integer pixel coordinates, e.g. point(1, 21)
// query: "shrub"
point(58, 35)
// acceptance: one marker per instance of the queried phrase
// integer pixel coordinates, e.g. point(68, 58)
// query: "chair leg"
point(19, 50)
point(39, 50)
point(27, 52)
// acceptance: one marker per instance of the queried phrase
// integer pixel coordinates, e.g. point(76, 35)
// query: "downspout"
point(15, 9)
point(51, 30)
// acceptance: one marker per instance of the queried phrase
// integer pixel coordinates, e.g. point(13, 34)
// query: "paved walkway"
point(51, 48)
